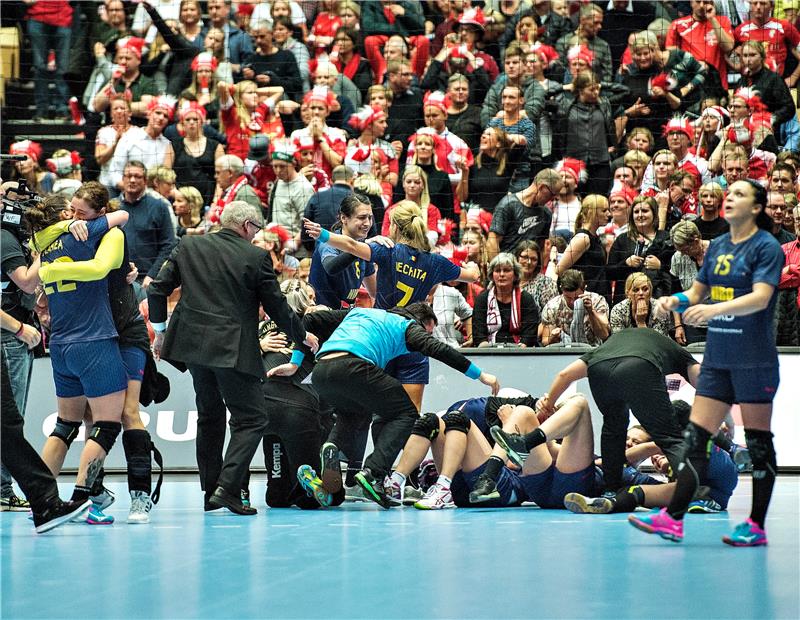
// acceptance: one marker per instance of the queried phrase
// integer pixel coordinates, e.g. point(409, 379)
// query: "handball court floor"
point(359, 561)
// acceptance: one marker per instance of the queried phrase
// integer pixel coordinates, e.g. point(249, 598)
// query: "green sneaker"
point(373, 490)
point(312, 485)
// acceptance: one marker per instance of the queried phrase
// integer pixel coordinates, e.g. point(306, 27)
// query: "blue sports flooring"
point(359, 561)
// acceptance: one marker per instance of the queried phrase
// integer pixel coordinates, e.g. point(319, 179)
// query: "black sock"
point(535, 438)
point(493, 467)
point(627, 500)
point(136, 443)
point(353, 467)
point(765, 468)
point(80, 494)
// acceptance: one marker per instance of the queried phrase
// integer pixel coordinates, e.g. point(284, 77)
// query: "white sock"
point(399, 478)
point(444, 481)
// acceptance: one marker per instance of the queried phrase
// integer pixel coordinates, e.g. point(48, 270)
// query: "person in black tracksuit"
point(627, 372)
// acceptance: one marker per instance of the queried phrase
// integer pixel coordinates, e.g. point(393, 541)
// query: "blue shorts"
point(507, 484)
point(756, 384)
point(548, 488)
point(721, 477)
point(134, 359)
point(90, 369)
point(475, 410)
point(411, 368)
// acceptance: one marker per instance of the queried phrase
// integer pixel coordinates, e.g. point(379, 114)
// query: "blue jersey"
point(337, 289)
point(79, 311)
point(373, 335)
point(730, 270)
point(406, 275)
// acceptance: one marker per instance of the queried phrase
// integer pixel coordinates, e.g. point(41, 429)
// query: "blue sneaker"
point(746, 534)
point(98, 517)
point(312, 485)
point(103, 499)
point(704, 506)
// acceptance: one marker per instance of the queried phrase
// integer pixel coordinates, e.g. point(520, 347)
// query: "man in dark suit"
point(214, 333)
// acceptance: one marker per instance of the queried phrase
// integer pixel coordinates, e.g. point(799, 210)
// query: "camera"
point(14, 209)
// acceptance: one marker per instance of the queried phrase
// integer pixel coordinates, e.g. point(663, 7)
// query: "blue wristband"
point(297, 357)
point(324, 235)
point(473, 372)
point(683, 302)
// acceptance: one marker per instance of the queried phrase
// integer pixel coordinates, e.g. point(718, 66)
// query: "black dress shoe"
point(223, 499)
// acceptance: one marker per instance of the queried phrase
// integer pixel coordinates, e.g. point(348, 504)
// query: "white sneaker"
point(354, 494)
point(140, 507)
point(393, 491)
point(437, 498)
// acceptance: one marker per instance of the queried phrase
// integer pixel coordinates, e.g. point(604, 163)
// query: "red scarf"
point(351, 67)
point(390, 17)
point(227, 197)
point(493, 320)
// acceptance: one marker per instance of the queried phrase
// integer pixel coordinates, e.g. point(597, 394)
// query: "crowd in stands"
point(577, 153)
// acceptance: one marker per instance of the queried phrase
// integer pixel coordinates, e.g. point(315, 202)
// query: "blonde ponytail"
point(410, 224)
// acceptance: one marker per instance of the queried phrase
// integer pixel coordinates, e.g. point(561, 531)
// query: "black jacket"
point(223, 280)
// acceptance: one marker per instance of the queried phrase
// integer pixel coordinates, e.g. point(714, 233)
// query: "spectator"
point(636, 16)
point(463, 117)
point(38, 180)
point(238, 46)
point(247, 110)
point(707, 38)
point(535, 63)
point(347, 95)
point(289, 9)
point(690, 252)
point(195, 154)
point(567, 206)
point(644, 248)
point(523, 215)
point(776, 207)
point(638, 160)
point(620, 202)
point(779, 36)
point(142, 22)
point(161, 184)
point(782, 178)
point(304, 155)
point(504, 313)
point(349, 62)
point(772, 90)
point(788, 305)
point(49, 25)
point(330, 142)
point(415, 189)
point(289, 195)
point(659, 82)
point(474, 244)
point(520, 131)
point(456, 59)
point(188, 209)
point(494, 168)
point(548, 23)
point(324, 207)
point(383, 18)
point(370, 153)
point(575, 315)
point(585, 252)
point(513, 75)
point(325, 25)
point(232, 184)
point(66, 165)
point(590, 22)
point(114, 26)
point(127, 79)
point(679, 133)
point(150, 234)
point(541, 287)
point(590, 134)
point(711, 224)
point(424, 155)
point(109, 137)
point(270, 66)
point(453, 314)
point(636, 309)
point(147, 145)
point(405, 113)
point(283, 40)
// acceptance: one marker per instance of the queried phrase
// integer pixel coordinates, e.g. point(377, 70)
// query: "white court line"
point(225, 526)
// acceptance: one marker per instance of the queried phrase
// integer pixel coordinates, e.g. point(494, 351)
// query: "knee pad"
point(66, 431)
point(137, 446)
point(105, 434)
point(427, 426)
point(762, 450)
point(456, 421)
point(697, 442)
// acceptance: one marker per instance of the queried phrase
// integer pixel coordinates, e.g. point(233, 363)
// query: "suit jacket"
point(223, 279)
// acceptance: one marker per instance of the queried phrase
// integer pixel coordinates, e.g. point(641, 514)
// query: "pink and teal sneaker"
point(658, 521)
point(746, 534)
